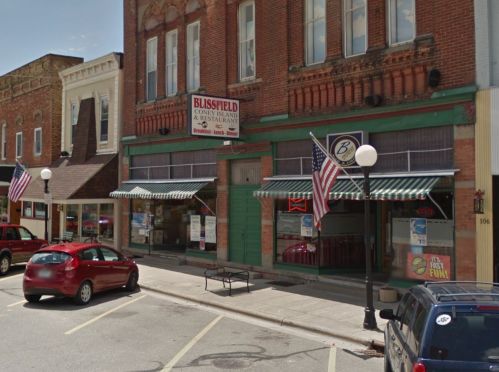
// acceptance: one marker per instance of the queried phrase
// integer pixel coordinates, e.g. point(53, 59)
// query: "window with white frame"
point(4, 141)
point(402, 22)
point(74, 120)
point(171, 62)
point(315, 31)
point(193, 56)
point(19, 145)
point(152, 66)
point(104, 118)
point(247, 41)
point(37, 145)
point(355, 27)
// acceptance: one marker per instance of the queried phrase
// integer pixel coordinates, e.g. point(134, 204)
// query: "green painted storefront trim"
point(274, 118)
point(454, 92)
point(211, 256)
point(139, 246)
point(299, 269)
point(244, 156)
point(193, 145)
point(403, 283)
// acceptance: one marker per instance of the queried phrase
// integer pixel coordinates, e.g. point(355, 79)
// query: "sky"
point(30, 29)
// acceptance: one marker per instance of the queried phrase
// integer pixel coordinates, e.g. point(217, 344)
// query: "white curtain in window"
point(193, 56)
point(247, 40)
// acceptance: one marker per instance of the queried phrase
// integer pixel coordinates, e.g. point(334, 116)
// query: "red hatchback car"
point(77, 270)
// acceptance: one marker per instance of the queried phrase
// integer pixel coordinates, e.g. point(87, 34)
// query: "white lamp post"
point(46, 174)
point(366, 157)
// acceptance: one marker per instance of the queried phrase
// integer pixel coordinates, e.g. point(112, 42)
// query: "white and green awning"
point(181, 190)
point(402, 188)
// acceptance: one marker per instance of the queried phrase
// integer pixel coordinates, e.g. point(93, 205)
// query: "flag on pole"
point(324, 173)
point(19, 183)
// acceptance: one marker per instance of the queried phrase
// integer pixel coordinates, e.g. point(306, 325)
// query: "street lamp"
point(46, 174)
point(366, 157)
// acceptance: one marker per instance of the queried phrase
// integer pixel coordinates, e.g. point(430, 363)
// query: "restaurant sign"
point(209, 116)
point(342, 147)
point(428, 267)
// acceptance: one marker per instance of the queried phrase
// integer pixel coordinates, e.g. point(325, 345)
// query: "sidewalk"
point(334, 314)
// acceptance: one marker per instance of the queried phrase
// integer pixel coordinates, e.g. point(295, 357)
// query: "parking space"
point(122, 331)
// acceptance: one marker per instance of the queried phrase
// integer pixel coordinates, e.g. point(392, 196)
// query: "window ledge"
point(244, 83)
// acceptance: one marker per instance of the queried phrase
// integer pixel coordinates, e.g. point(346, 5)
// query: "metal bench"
point(219, 274)
point(67, 237)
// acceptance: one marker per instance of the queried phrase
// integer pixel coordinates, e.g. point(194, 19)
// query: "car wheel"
point(388, 366)
point(32, 298)
point(132, 282)
point(4, 264)
point(84, 293)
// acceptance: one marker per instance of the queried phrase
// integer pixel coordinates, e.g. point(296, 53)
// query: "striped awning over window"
point(403, 188)
point(181, 190)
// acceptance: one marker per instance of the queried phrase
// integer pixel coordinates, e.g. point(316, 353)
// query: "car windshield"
point(50, 258)
point(470, 337)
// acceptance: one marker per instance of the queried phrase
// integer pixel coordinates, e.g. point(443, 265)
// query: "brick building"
point(30, 120)
point(398, 73)
point(87, 168)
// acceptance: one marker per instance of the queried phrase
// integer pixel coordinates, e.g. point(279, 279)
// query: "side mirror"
point(34, 237)
point(124, 259)
point(387, 314)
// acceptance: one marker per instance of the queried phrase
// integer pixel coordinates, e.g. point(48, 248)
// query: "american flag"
point(324, 173)
point(20, 180)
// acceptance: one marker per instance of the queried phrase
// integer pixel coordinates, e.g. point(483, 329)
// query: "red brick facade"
point(285, 86)
point(31, 97)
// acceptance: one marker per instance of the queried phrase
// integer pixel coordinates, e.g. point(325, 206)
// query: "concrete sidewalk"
point(335, 314)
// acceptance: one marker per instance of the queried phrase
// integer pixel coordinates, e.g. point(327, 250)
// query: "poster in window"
point(306, 224)
point(210, 229)
point(195, 228)
point(418, 232)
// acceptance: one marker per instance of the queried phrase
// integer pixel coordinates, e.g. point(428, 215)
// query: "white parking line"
point(17, 303)
point(10, 277)
point(332, 359)
point(187, 347)
point(103, 315)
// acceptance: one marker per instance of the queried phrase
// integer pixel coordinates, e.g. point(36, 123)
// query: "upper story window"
point(37, 145)
point(247, 41)
point(315, 31)
point(4, 141)
point(401, 21)
point(193, 56)
point(104, 118)
point(19, 145)
point(74, 120)
point(152, 66)
point(171, 62)
point(355, 27)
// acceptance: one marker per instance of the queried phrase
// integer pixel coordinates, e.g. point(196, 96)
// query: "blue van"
point(444, 326)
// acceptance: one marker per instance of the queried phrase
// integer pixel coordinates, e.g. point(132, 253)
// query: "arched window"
point(191, 6)
point(19, 120)
point(171, 14)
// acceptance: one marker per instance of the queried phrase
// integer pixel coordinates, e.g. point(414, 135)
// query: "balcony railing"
point(173, 171)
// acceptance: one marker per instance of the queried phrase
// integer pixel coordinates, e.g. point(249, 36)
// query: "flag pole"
point(334, 160)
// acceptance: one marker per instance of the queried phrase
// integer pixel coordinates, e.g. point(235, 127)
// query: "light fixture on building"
point(373, 100)
point(478, 201)
point(46, 174)
point(434, 78)
point(163, 131)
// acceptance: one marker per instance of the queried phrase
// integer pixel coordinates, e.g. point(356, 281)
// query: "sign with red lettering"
point(298, 204)
point(428, 267)
point(209, 116)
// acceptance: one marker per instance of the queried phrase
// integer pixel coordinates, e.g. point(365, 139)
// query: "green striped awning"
point(181, 190)
point(402, 188)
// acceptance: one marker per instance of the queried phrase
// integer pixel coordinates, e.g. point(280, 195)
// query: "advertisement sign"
point(195, 228)
point(209, 116)
point(418, 232)
point(428, 267)
point(343, 146)
point(210, 229)
point(307, 224)
point(298, 204)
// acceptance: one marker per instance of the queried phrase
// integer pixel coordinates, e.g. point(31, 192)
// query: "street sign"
point(48, 198)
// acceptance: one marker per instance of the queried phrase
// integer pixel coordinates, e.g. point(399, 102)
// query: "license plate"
point(43, 273)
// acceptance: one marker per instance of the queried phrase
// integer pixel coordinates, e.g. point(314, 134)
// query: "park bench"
point(219, 274)
point(67, 237)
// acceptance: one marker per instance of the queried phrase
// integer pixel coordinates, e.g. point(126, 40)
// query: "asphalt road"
point(144, 331)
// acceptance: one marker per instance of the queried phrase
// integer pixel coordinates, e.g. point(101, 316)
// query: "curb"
point(264, 316)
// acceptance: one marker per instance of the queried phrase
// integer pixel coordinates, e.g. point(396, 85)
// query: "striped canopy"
point(181, 190)
point(403, 188)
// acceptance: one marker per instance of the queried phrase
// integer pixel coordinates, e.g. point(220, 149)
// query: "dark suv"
point(17, 244)
point(444, 326)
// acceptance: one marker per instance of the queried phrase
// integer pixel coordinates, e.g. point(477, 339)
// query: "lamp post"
point(46, 174)
point(366, 157)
